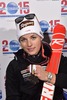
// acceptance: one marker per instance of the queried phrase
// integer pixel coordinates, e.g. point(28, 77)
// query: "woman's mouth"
point(30, 49)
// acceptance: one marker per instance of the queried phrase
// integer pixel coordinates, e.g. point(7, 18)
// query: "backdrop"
point(49, 13)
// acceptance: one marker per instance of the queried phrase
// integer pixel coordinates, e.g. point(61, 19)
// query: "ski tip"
point(59, 28)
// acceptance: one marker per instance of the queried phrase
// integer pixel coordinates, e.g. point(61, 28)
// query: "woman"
point(24, 81)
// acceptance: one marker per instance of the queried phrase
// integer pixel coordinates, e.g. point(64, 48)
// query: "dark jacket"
point(25, 88)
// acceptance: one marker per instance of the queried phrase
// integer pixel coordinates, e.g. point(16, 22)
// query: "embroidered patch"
point(25, 24)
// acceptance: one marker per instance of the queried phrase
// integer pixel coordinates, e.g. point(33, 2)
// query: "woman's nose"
point(29, 43)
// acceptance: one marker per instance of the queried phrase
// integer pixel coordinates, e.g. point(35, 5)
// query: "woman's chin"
point(32, 53)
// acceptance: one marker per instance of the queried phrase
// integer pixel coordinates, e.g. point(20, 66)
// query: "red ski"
point(57, 44)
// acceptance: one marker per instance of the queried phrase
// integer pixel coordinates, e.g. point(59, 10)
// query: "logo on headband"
point(25, 24)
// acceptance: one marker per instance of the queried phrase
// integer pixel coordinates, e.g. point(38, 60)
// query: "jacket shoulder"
point(13, 65)
point(63, 64)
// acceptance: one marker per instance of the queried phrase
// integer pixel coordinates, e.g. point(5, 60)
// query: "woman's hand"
point(43, 75)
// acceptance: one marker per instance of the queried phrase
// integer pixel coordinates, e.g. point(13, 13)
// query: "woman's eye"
point(22, 40)
point(33, 37)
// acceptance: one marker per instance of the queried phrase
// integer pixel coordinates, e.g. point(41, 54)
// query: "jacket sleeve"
point(61, 77)
point(11, 83)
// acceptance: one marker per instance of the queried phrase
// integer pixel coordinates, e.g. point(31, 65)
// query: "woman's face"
point(31, 43)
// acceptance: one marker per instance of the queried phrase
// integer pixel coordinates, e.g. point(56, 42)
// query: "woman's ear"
point(41, 39)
